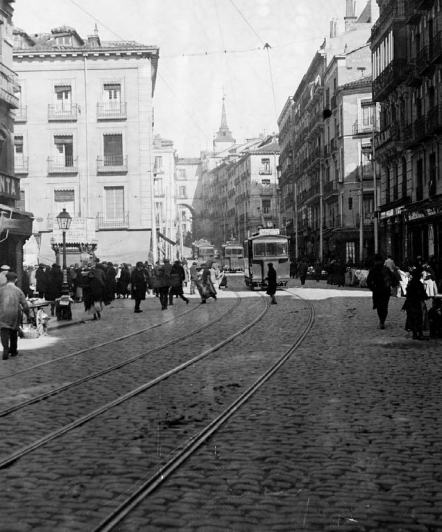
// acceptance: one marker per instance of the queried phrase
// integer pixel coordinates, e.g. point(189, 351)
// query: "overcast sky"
point(194, 71)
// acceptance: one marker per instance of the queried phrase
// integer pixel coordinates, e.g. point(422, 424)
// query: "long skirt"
point(206, 290)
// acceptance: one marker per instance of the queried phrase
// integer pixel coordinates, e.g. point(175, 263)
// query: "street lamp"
point(64, 221)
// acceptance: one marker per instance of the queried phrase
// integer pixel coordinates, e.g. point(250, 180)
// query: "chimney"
point(350, 17)
point(94, 40)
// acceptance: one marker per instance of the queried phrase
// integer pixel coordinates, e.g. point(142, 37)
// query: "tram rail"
point(106, 407)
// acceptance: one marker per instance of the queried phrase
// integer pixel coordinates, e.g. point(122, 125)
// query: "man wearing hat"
point(12, 301)
point(3, 271)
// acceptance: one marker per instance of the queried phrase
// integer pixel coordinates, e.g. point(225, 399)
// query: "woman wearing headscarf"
point(94, 293)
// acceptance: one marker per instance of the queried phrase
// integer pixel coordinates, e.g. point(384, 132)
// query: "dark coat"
point(302, 269)
point(271, 282)
point(41, 280)
point(375, 282)
point(139, 284)
point(93, 290)
point(54, 284)
point(123, 281)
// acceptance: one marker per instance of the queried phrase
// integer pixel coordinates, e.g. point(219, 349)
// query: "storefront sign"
point(17, 226)
point(9, 186)
point(390, 213)
point(81, 230)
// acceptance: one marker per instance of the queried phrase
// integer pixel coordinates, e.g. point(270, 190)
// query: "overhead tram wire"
point(158, 73)
point(246, 21)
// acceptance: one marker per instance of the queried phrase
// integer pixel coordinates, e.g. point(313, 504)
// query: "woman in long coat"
point(54, 284)
point(205, 286)
point(271, 283)
point(111, 281)
point(123, 281)
point(139, 285)
point(94, 293)
point(177, 269)
point(415, 306)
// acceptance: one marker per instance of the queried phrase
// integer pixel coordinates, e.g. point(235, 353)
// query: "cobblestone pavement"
point(346, 436)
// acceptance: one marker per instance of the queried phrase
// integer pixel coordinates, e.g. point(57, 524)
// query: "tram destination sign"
point(269, 231)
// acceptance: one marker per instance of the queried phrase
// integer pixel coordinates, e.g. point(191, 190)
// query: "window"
point(113, 150)
point(158, 187)
point(112, 95)
point(64, 199)
point(64, 149)
point(350, 250)
point(114, 207)
point(158, 164)
point(21, 204)
point(265, 183)
point(367, 116)
point(266, 206)
point(182, 192)
point(66, 40)
point(63, 97)
point(182, 173)
point(18, 147)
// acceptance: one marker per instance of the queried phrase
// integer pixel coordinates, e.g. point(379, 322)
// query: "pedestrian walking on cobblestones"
point(12, 301)
point(178, 270)
point(193, 277)
point(302, 271)
point(205, 285)
point(415, 307)
point(94, 292)
point(138, 286)
point(271, 283)
point(380, 279)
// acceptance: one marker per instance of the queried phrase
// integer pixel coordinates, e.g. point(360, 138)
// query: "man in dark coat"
point(54, 284)
point(177, 269)
point(380, 280)
point(139, 285)
point(41, 280)
point(271, 283)
point(302, 271)
point(111, 281)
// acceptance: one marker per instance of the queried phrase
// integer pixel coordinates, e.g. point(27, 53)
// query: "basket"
point(29, 331)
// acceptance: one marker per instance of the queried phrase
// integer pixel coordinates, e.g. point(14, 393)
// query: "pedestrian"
point(302, 271)
point(138, 286)
point(25, 284)
point(318, 270)
point(389, 262)
point(123, 281)
point(380, 279)
point(12, 302)
point(178, 270)
point(54, 284)
point(205, 285)
point(111, 281)
point(193, 273)
point(94, 293)
point(40, 280)
point(3, 271)
point(415, 307)
point(340, 270)
point(271, 283)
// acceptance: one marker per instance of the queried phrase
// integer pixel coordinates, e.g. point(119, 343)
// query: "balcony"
point(359, 128)
point(436, 48)
point(333, 103)
point(265, 170)
point(326, 151)
point(330, 189)
point(112, 111)
point(21, 114)
point(414, 79)
point(62, 165)
point(21, 165)
point(413, 13)
point(333, 145)
point(392, 11)
point(62, 113)
point(157, 169)
point(159, 194)
point(419, 193)
point(395, 73)
point(420, 129)
point(313, 191)
point(423, 61)
point(8, 87)
point(103, 221)
point(112, 164)
point(434, 119)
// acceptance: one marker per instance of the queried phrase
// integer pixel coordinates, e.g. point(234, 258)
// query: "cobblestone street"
point(344, 436)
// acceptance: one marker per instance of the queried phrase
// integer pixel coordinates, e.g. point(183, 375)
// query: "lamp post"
point(64, 221)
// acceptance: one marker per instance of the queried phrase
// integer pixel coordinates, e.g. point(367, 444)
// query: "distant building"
point(15, 223)
point(188, 195)
point(84, 141)
point(327, 186)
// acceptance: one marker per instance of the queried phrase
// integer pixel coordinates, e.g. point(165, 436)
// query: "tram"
point(259, 250)
point(203, 250)
point(232, 256)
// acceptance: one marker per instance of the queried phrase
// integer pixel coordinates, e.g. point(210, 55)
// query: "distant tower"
point(350, 14)
point(224, 137)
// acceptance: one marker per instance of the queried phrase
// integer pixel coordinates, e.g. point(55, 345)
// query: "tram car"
point(203, 250)
point(259, 250)
point(233, 257)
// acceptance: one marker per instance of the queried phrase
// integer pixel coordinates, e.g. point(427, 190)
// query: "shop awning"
point(164, 237)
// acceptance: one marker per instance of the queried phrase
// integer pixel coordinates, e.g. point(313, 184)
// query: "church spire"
point(224, 135)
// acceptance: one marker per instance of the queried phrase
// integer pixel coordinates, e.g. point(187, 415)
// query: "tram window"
point(282, 249)
point(260, 250)
point(271, 249)
point(228, 252)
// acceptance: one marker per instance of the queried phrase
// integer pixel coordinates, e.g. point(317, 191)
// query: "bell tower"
point(224, 137)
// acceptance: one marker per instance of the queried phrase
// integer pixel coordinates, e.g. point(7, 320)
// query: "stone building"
point(327, 185)
point(84, 141)
point(406, 45)
point(15, 222)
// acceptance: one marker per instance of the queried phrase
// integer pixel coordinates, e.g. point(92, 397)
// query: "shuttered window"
point(113, 150)
point(114, 197)
point(64, 199)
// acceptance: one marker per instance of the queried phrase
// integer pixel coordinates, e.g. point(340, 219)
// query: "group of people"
point(421, 278)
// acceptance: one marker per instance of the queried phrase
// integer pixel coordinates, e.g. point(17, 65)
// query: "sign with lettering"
point(9, 186)
point(81, 230)
point(269, 231)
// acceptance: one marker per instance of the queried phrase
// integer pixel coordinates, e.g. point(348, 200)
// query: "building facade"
point(84, 141)
point(326, 182)
point(406, 45)
point(15, 222)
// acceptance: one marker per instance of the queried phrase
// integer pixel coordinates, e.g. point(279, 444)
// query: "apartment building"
point(84, 142)
point(327, 184)
point(406, 45)
point(15, 222)
point(188, 197)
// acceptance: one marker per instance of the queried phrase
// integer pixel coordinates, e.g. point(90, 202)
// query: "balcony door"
point(114, 204)
point(64, 148)
point(112, 96)
point(63, 98)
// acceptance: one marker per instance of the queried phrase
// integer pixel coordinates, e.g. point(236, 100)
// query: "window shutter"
point(64, 195)
point(114, 203)
point(113, 145)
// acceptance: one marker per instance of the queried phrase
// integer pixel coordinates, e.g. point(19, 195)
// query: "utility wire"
point(271, 80)
point(96, 20)
point(246, 21)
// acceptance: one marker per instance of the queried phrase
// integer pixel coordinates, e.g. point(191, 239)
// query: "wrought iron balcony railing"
point(118, 220)
point(21, 114)
point(112, 163)
point(9, 88)
point(265, 170)
point(64, 112)
point(112, 111)
point(21, 165)
point(62, 165)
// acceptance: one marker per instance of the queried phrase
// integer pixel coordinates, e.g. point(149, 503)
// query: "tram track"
point(150, 485)
point(114, 367)
point(36, 444)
